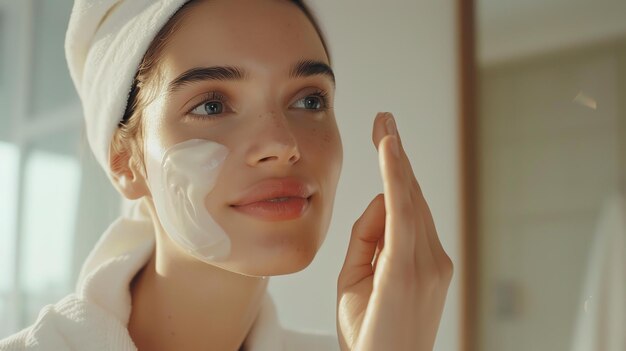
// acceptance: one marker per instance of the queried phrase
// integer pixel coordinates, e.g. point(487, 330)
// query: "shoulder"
point(305, 340)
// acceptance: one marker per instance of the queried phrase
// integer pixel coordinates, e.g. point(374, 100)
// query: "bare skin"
point(180, 303)
point(176, 307)
point(392, 288)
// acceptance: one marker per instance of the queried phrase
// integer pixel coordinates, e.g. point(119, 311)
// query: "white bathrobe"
point(96, 315)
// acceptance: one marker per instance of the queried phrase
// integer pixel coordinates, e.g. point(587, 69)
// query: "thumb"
point(366, 233)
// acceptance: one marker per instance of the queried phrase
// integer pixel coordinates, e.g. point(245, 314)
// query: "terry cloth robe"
point(95, 316)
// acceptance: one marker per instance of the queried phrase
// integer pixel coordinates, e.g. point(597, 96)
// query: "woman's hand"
point(393, 285)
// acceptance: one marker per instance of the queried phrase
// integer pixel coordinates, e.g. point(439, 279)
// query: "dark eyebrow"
point(306, 68)
point(303, 68)
point(206, 73)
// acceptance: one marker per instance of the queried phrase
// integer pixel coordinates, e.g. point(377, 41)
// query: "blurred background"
point(551, 165)
point(513, 114)
point(54, 200)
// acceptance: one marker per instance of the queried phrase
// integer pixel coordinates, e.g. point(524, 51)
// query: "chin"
point(262, 249)
point(292, 264)
point(278, 261)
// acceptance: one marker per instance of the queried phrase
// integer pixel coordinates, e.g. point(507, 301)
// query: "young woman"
point(229, 145)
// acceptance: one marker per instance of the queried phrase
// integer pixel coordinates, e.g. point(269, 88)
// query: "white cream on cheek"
point(180, 178)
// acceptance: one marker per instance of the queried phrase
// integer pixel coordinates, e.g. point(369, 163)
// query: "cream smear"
point(180, 183)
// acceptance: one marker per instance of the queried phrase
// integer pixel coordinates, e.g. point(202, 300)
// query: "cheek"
point(322, 141)
point(325, 149)
point(180, 179)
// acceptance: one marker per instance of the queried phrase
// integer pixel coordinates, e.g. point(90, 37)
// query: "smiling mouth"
point(276, 209)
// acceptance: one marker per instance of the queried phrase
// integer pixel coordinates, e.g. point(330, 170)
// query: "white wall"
point(400, 57)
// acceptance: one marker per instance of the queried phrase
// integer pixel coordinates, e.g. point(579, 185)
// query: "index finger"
point(398, 205)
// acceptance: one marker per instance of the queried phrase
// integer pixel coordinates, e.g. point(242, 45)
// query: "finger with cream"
point(180, 179)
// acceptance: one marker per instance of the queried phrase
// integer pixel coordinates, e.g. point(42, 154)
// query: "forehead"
point(263, 36)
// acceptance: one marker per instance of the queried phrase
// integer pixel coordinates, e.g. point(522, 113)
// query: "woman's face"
point(272, 123)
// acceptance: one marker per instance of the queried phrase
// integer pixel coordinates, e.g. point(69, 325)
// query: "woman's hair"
point(128, 138)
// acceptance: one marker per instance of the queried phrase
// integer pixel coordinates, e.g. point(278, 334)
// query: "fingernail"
point(390, 125)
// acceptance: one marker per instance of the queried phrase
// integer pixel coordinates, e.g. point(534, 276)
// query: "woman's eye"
point(316, 101)
point(208, 108)
point(211, 106)
point(312, 102)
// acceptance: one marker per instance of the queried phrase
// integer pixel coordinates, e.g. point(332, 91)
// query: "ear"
point(128, 177)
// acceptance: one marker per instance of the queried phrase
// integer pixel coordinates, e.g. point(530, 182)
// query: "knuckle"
point(447, 268)
point(341, 280)
point(357, 224)
point(380, 197)
point(418, 188)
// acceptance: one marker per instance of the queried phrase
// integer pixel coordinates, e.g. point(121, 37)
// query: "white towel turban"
point(104, 45)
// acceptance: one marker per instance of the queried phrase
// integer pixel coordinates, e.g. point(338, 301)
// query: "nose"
point(273, 142)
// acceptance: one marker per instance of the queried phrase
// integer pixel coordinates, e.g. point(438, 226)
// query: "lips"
point(277, 199)
point(275, 188)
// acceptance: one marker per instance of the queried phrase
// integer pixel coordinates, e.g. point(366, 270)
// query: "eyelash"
point(216, 96)
point(207, 97)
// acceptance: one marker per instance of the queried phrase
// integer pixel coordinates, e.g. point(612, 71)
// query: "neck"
point(180, 303)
